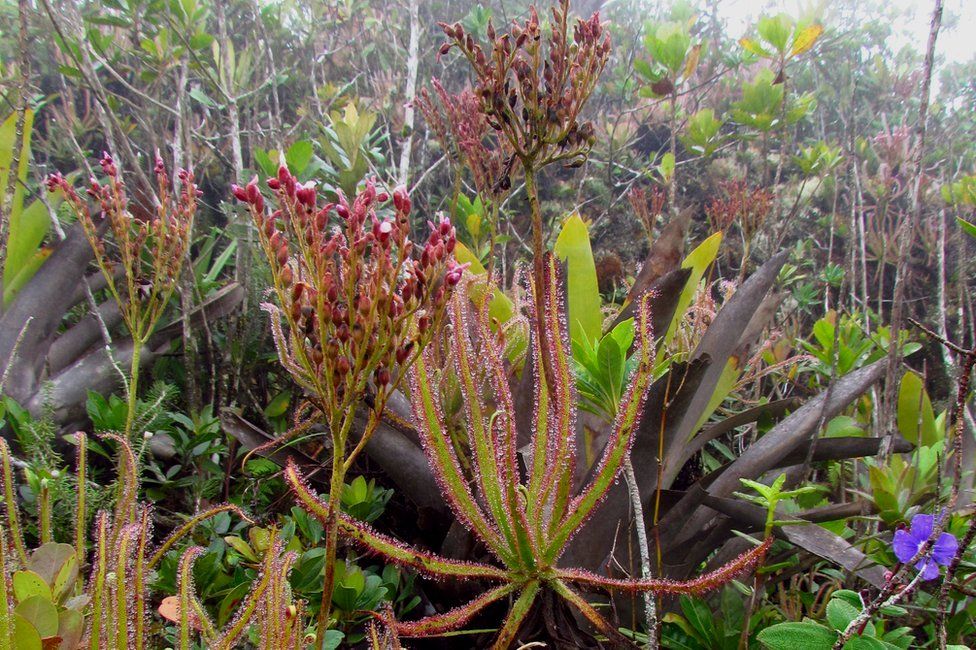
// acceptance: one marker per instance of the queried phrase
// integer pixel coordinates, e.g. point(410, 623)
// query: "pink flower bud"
point(444, 227)
point(403, 353)
point(54, 182)
point(382, 376)
point(454, 275)
point(108, 165)
point(382, 230)
point(401, 201)
point(306, 194)
point(159, 168)
point(239, 193)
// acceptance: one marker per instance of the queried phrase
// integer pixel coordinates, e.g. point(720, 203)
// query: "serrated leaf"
point(793, 636)
point(840, 613)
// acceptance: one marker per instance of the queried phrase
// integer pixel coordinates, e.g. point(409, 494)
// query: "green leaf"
point(793, 636)
point(28, 584)
point(12, 286)
point(583, 292)
point(202, 97)
point(776, 30)
point(263, 160)
point(71, 628)
point(968, 228)
point(840, 613)
point(278, 405)
point(753, 47)
point(26, 636)
point(865, 643)
point(29, 226)
point(699, 616)
point(298, 156)
point(698, 261)
point(916, 420)
point(41, 613)
point(501, 308)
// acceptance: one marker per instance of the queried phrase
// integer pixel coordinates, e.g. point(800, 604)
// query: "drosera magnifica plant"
point(525, 523)
point(533, 93)
point(147, 281)
point(357, 301)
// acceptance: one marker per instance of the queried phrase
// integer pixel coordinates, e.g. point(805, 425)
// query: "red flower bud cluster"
point(533, 97)
point(149, 280)
point(745, 206)
point(463, 132)
point(355, 293)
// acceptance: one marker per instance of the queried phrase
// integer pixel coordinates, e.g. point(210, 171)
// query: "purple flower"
point(908, 543)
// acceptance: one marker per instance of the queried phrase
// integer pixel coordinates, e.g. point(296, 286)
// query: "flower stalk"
point(357, 301)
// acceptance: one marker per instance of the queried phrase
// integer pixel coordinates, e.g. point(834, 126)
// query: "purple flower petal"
point(928, 568)
point(905, 545)
point(922, 527)
point(944, 549)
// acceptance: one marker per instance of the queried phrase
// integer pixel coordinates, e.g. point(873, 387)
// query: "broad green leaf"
point(726, 382)
point(12, 286)
point(241, 547)
point(677, 634)
point(583, 292)
point(698, 261)
point(263, 159)
point(699, 616)
point(28, 226)
point(793, 636)
point(500, 308)
point(26, 636)
point(776, 30)
point(840, 613)
point(41, 613)
point(916, 420)
point(278, 405)
point(298, 156)
point(28, 584)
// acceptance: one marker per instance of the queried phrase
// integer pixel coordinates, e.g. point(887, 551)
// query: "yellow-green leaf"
point(698, 261)
point(500, 308)
point(26, 636)
point(694, 55)
point(28, 584)
point(582, 289)
point(916, 420)
point(805, 39)
point(753, 47)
